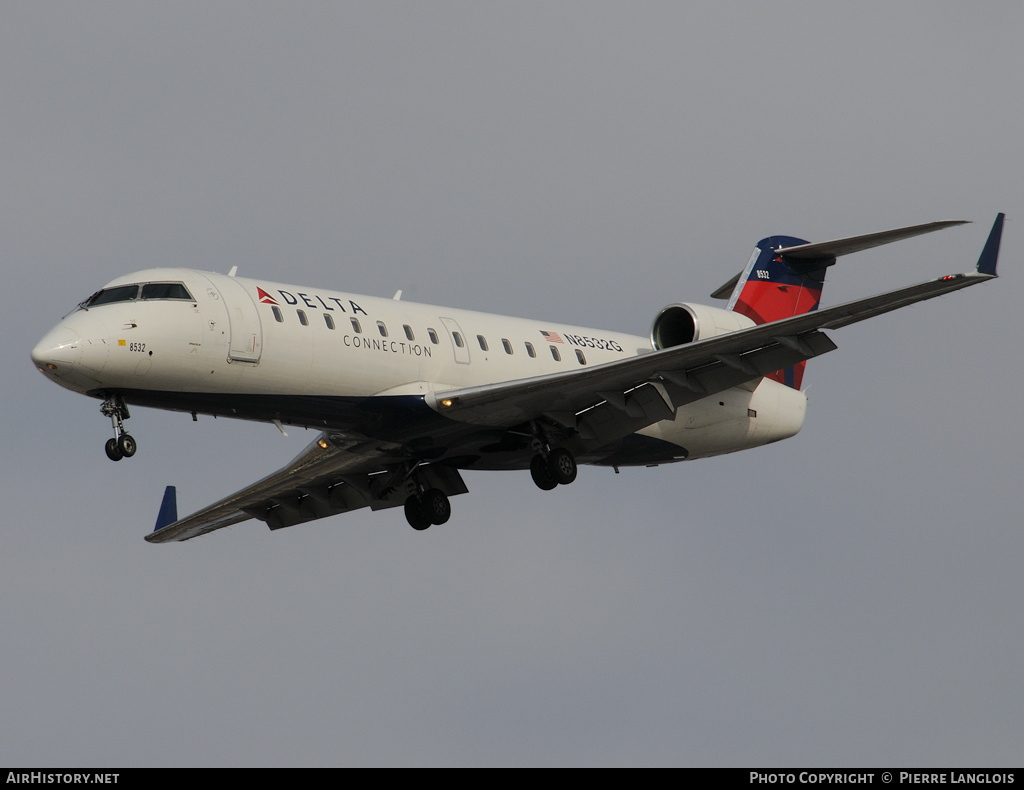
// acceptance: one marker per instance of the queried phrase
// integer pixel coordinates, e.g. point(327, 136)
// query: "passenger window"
point(329, 320)
point(433, 336)
point(507, 345)
point(458, 339)
point(382, 329)
point(408, 333)
point(482, 341)
point(582, 359)
point(302, 318)
point(554, 354)
point(355, 325)
point(278, 316)
point(530, 351)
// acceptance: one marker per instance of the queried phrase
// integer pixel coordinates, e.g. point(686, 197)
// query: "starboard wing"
point(612, 400)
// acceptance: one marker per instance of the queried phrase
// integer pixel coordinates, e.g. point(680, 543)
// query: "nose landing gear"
point(122, 445)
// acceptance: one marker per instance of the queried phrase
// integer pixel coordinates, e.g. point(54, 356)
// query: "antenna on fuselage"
point(233, 272)
point(398, 295)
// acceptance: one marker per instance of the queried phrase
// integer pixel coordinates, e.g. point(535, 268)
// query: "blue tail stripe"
point(168, 509)
point(989, 255)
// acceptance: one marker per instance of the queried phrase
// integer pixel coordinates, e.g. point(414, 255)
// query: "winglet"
point(168, 509)
point(989, 255)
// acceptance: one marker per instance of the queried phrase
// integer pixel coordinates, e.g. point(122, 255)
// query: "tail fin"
point(774, 286)
point(784, 277)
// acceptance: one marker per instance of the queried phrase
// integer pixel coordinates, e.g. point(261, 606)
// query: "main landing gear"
point(557, 468)
point(430, 507)
point(122, 445)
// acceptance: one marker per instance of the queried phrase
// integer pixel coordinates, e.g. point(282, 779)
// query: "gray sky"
point(848, 597)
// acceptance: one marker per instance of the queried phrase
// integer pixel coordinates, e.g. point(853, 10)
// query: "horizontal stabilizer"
point(827, 251)
point(837, 247)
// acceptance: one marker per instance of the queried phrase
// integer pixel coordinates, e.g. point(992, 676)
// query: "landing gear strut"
point(122, 445)
point(558, 468)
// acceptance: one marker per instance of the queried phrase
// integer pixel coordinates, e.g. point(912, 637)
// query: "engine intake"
point(679, 324)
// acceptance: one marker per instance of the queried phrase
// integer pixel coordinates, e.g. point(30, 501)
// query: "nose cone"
point(60, 347)
point(72, 353)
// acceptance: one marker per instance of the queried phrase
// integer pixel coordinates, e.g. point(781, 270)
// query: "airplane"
point(406, 396)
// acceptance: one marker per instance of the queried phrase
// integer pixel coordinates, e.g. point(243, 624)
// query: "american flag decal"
point(552, 337)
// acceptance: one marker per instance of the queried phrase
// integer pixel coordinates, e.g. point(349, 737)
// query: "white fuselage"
point(254, 349)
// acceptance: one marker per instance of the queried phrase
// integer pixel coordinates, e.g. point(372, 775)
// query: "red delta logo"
point(291, 299)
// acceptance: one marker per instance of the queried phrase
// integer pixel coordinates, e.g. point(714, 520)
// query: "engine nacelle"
point(679, 324)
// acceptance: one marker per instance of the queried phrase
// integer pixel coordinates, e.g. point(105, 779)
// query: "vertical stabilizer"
point(774, 286)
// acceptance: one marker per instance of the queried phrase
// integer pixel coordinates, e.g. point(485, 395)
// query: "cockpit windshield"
point(165, 291)
point(130, 293)
point(120, 293)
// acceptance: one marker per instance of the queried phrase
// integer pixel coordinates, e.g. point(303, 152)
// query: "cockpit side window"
point(119, 293)
point(165, 291)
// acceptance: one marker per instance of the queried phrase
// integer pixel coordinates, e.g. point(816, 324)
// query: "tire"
point(126, 444)
point(414, 514)
point(562, 466)
point(540, 474)
point(113, 453)
point(436, 506)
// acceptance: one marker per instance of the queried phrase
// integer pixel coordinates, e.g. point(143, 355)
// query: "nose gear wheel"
point(113, 453)
point(122, 445)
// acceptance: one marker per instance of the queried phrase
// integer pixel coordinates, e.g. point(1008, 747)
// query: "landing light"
point(446, 402)
point(50, 365)
point(323, 443)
